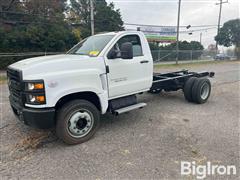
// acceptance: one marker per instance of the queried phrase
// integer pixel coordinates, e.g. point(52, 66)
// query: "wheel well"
point(89, 96)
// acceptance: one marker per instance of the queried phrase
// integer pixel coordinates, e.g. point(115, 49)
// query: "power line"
point(134, 24)
point(11, 21)
point(197, 30)
point(28, 14)
point(187, 31)
point(14, 22)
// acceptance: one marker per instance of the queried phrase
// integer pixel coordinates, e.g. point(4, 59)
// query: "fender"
point(103, 97)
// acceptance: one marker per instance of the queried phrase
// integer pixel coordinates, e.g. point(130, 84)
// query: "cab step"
point(129, 108)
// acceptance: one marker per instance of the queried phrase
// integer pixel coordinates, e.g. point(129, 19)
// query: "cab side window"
point(135, 40)
point(136, 44)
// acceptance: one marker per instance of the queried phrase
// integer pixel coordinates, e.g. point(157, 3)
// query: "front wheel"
point(77, 121)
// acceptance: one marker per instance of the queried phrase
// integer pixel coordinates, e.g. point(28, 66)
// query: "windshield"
point(91, 46)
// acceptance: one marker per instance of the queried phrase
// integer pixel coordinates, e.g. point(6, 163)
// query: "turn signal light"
point(40, 99)
point(38, 86)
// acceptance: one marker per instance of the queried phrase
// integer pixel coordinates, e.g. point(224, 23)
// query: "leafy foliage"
point(168, 52)
point(184, 45)
point(42, 26)
point(106, 18)
point(229, 35)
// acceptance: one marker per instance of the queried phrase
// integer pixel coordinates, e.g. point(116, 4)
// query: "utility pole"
point(92, 17)
point(200, 37)
point(178, 22)
point(219, 19)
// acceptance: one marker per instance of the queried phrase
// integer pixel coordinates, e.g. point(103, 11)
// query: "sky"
point(193, 12)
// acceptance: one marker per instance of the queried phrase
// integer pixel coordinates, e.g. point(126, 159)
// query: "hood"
point(26, 63)
point(40, 66)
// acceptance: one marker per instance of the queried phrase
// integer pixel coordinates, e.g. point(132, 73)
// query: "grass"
point(190, 64)
point(3, 79)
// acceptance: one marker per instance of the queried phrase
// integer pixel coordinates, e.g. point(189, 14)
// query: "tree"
point(195, 46)
point(6, 8)
point(188, 50)
point(153, 46)
point(79, 16)
point(229, 35)
point(33, 26)
point(40, 26)
point(106, 18)
point(45, 10)
point(184, 45)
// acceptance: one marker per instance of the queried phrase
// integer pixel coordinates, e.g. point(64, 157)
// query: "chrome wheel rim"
point(205, 91)
point(80, 123)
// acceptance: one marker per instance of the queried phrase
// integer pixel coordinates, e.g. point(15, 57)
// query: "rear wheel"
point(187, 89)
point(201, 90)
point(77, 121)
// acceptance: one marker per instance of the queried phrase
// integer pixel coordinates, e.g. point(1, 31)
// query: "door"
point(129, 76)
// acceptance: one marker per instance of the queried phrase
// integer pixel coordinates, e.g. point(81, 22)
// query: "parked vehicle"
point(102, 74)
point(222, 57)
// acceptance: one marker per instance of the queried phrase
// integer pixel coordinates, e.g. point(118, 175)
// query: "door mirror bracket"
point(113, 54)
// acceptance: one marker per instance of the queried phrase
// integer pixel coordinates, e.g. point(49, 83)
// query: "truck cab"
point(102, 73)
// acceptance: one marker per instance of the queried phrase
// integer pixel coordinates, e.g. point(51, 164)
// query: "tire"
point(187, 89)
point(77, 121)
point(201, 90)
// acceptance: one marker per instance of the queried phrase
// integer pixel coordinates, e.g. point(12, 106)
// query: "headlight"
point(36, 99)
point(35, 92)
point(34, 86)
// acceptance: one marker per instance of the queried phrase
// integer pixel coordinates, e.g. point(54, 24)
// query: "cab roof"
point(116, 32)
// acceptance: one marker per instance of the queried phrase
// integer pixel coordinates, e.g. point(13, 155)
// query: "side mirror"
point(126, 50)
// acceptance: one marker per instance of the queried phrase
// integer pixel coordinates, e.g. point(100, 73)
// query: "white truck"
point(103, 73)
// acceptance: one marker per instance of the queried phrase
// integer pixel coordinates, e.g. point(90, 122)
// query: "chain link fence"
point(158, 56)
point(183, 55)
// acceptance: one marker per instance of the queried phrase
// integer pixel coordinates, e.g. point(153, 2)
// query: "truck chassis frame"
point(174, 81)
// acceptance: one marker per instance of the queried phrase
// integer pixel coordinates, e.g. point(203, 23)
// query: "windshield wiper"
point(79, 54)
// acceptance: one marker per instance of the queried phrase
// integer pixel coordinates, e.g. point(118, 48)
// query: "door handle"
point(144, 61)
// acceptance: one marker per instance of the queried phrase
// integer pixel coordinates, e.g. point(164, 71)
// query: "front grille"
point(15, 85)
